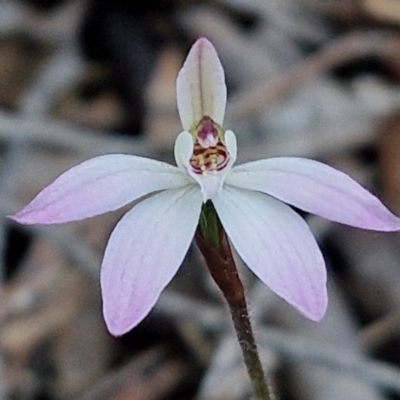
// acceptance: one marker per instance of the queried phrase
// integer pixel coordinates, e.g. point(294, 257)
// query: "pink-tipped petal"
point(277, 245)
point(99, 185)
point(316, 188)
point(200, 86)
point(143, 254)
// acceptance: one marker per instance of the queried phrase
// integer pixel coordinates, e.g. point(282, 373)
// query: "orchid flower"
point(149, 243)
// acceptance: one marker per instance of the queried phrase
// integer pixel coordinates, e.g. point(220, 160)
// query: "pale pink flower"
point(149, 243)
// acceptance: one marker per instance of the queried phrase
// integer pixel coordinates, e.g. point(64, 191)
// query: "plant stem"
point(244, 332)
point(213, 243)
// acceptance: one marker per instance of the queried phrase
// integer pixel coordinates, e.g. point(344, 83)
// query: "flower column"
point(206, 153)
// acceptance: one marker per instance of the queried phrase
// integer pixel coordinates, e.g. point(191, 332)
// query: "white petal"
point(183, 150)
point(143, 254)
point(99, 185)
point(277, 246)
point(315, 188)
point(201, 88)
point(231, 146)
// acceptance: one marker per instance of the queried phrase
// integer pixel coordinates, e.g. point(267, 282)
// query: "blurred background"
point(311, 78)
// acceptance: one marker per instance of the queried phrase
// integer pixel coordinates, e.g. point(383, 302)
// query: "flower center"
point(209, 153)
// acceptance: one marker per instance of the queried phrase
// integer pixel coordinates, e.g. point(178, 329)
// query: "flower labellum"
point(149, 243)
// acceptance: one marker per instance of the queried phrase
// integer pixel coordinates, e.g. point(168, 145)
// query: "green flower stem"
point(213, 243)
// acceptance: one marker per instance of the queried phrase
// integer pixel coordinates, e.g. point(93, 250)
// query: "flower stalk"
point(213, 244)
